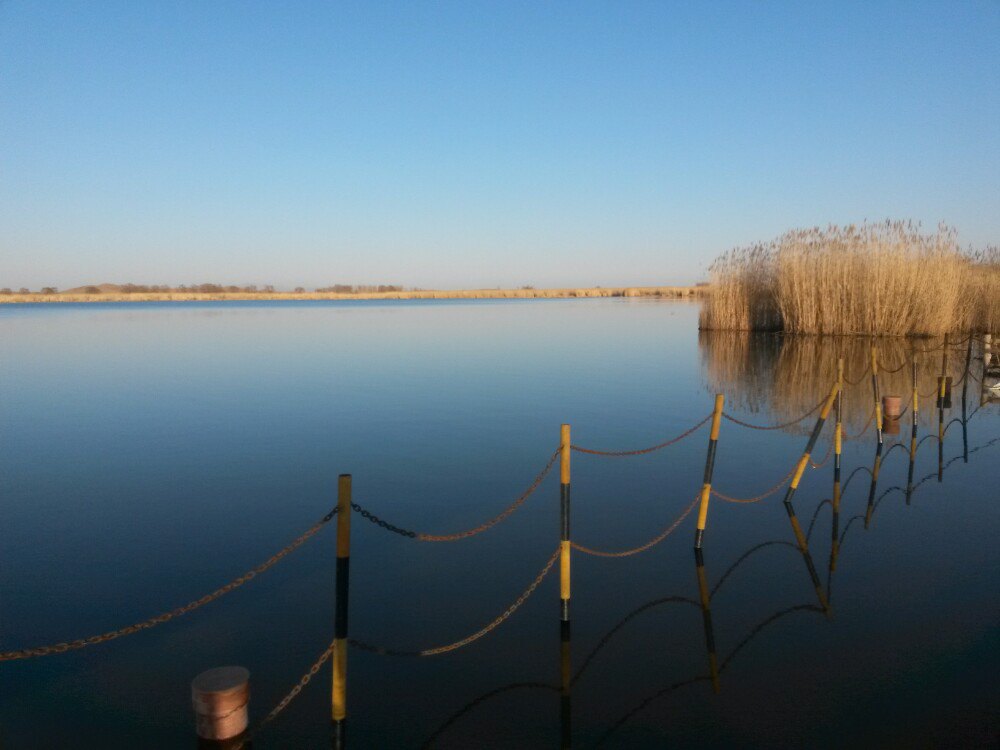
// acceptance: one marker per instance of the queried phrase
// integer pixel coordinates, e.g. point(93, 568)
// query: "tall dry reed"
point(883, 279)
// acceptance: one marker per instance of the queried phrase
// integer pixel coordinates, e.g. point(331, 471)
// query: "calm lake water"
point(153, 452)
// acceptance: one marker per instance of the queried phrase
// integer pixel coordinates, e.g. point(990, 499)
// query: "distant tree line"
point(212, 289)
point(360, 288)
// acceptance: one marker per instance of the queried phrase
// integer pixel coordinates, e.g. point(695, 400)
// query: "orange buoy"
point(221, 699)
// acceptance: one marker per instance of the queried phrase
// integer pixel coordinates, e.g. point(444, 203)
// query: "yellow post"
point(837, 445)
point(875, 392)
point(564, 503)
point(913, 438)
point(339, 693)
point(706, 487)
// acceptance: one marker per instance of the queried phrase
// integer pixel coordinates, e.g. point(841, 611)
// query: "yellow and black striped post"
point(835, 501)
point(837, 446)
point(706, 616)
point(800, 538)
point(565, 703)
point(876, 466)
point(965, 393)
point(706, 487)
point(564, 545)
point(875, 393)
point(339, 694)
point(804, 461)
point(941, 384)
point(913, 437)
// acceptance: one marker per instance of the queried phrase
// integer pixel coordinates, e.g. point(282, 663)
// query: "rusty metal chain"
point(868, 424)
point(493, 625)
point(369, 516)
point(648, 545)
point(861, 377)
point(421, 537)
point(293, 693)
point(777, 426)
point(496, 519)
point(829, 450)
point(643, 451)
point(756, 498)
point(889, 371)
point(152, 622)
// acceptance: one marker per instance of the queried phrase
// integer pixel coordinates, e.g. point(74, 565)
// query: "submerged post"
point(339, 694)
point(706, 615)
point(706, 487)
point(875, 393)
point(564, 545)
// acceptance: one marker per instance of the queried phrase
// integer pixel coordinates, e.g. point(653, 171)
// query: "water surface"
point(152, 452)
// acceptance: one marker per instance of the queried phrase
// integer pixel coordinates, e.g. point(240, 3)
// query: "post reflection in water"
point(715, 666)
point(823, 593)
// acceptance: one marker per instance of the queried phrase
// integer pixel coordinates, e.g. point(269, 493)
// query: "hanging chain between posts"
point(648, 545)
point(868, 424)
point(756, 498)
point(829, 450)
point(643, 451)
point(777, 426)
point(502, 516)
point(294, 692)
point(891, 371)
point(152, 622)
point(506, 513)
point(493, 625)
point(861, 377)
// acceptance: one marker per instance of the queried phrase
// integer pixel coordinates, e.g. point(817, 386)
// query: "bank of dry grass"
point(880, 279)
point(665, 292)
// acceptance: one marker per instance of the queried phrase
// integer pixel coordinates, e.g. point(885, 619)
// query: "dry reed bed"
point(883, 279)
point(667, 292)
point(778, 377)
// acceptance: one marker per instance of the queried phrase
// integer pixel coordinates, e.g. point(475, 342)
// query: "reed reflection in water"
point(782, 375)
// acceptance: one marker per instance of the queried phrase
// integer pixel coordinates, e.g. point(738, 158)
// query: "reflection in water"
point(705, 596)
point(782, 375)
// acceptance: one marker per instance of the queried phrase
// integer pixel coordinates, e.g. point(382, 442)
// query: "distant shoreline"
point(666, 292)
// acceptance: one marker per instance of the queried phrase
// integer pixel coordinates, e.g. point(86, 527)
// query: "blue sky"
point(478, 144)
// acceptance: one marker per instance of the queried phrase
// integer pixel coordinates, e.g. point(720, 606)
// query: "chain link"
point(496, 519)
point(643, 451)
point(868, 424)
point(152, 622)
point(777, 426)
point(756, 498)
point(648, 545)
point(829, 450)
point(369, 516)
point(294, 692)
point(493, 625)
point(421, 537)
point(868, 368)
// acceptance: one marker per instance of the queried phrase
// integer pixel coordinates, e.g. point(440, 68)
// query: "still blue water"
point(152, 452)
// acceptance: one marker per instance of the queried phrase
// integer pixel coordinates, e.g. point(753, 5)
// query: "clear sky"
point(478, 144)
